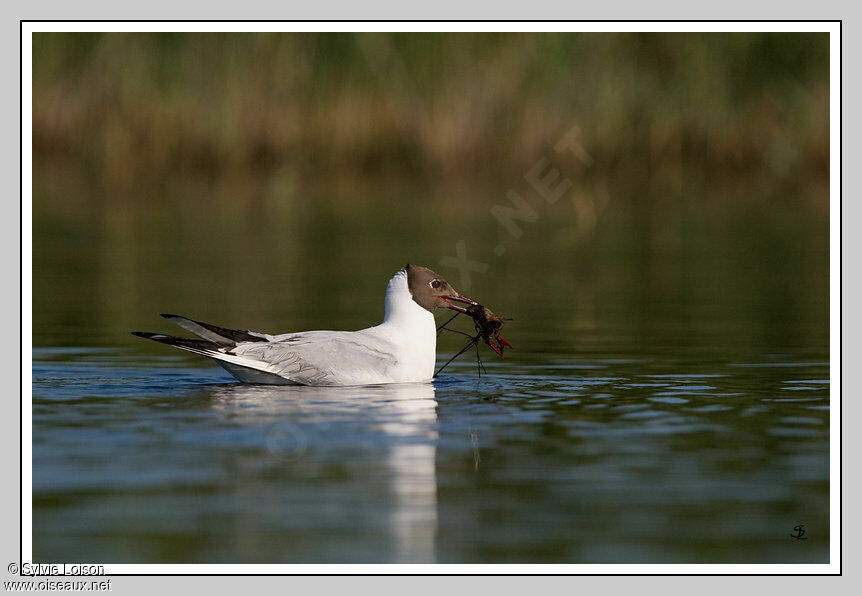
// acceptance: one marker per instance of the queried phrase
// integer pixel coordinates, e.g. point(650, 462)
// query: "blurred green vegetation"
point(136, 109)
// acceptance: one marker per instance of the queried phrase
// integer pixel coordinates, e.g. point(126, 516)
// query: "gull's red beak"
point(458, 298)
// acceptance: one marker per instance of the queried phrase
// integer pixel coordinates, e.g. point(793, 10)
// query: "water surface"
point(551, 458)
point(668, 399)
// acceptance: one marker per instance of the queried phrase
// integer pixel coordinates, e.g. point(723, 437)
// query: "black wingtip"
point(144, 334)
point(167, 316)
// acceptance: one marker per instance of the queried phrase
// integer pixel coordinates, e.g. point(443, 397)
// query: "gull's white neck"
point(411, 329)
point(402, 311)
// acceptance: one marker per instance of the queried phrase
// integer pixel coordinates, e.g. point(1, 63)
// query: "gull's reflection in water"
point(385, 436)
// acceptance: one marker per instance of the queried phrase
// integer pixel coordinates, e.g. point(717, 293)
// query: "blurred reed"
point(137, 109)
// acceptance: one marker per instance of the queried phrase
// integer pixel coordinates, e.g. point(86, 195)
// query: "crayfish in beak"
point(489, 327)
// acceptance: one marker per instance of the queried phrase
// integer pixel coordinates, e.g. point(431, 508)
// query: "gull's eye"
point(436, 284)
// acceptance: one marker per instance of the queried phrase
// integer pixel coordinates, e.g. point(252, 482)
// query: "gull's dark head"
point(430, 291)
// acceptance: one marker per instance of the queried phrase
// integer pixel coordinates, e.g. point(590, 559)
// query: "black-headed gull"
point(401, 349)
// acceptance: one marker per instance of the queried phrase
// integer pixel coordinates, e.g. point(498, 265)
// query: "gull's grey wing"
point(324, 357)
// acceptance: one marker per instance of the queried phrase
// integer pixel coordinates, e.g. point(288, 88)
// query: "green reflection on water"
point(706, 275)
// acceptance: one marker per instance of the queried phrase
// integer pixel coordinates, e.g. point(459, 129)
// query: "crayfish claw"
point(499, 350)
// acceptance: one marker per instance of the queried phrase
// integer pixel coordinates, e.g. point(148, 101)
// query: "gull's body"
point(401, 349)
